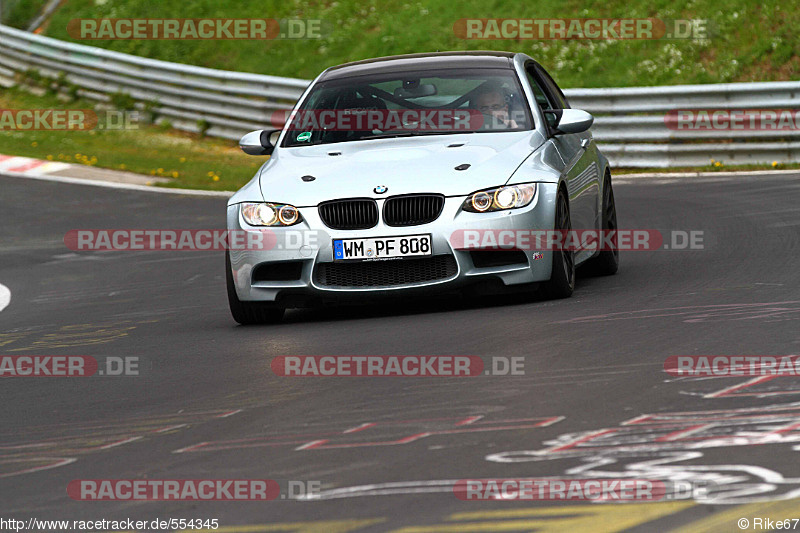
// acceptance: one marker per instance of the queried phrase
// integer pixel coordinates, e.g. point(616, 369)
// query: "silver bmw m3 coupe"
point(416, 173)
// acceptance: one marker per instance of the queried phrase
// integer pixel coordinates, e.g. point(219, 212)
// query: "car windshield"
point(403, 104)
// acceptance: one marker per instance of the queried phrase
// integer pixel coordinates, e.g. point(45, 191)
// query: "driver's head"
point(491, 102)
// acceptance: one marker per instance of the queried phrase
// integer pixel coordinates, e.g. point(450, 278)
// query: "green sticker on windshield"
point(305, 136)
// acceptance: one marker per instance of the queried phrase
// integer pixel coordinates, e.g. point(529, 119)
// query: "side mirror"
point(568, 120)
point(261, 142)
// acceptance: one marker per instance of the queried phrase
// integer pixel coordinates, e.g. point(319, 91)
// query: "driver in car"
point(491, 102)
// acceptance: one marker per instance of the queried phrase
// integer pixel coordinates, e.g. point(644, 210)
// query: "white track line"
point(700, 174)
point(114, 185)
point(5, 296)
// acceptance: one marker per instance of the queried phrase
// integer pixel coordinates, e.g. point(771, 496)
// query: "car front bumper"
point(298, 265)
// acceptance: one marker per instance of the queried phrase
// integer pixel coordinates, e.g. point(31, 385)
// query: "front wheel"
point(607, 261)
point(562, 280)
point(248, 313)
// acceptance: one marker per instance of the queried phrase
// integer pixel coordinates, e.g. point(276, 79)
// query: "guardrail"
point(231, 103)
point(629, 122)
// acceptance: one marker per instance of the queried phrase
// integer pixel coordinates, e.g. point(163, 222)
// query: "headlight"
point(266, 214)
point(501, 198)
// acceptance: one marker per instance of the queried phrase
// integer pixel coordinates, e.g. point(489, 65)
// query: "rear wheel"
point(607, 261)
point(562, 280)
point(248, 313)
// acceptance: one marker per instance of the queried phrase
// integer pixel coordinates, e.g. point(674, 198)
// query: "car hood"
point(402, 165)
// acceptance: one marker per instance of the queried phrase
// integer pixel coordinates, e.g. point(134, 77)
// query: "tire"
point(248, 313)
point(607, 261)
point(562, 279)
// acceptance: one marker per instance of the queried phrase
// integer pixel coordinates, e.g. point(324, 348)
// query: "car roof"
point(426, 61)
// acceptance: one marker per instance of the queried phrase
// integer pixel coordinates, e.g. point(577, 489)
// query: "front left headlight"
point(500, 198)
point(269, 214)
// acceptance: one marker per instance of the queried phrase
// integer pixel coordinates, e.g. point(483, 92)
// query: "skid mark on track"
point(668, 446)
point(703, 313)
point(42, 452)
point(29, 467)
point(759, 387)
point(372, 434)
point(67, 336)
point(687, 430)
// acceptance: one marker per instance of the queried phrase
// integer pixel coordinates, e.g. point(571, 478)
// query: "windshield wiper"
point(411, 134)
point(388, 135)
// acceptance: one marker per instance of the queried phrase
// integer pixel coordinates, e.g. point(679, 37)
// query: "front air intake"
point(412, 209)
point(350, 214)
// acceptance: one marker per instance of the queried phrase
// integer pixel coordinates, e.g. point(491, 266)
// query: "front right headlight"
point(500, 198)
point(269, 214)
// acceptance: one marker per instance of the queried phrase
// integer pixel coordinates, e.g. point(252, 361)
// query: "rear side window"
point(554, 90)
point(541, 98)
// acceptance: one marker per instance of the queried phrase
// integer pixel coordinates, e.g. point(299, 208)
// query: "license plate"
point(381, 248)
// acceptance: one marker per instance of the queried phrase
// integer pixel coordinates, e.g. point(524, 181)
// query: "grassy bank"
point(188, 160)
point(748, 41)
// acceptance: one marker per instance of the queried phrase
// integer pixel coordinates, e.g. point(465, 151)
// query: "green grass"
point(20, 13)
point(750, 41)
point(147, 150)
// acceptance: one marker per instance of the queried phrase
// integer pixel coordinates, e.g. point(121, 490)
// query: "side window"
point(553, 89)
point(544, 100)
point(541, 98)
